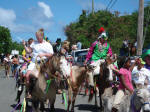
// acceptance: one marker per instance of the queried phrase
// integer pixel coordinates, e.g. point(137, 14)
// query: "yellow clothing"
point(24, 52)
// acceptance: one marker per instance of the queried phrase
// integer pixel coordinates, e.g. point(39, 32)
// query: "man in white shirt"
point(39, 49)
point(140, 75)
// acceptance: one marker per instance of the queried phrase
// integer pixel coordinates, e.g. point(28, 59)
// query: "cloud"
point(87, 4)
point(32, 19)
point(7, 16)
point(46, 8)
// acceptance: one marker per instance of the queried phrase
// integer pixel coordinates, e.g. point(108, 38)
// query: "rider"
point(27, 58)
point(39, 49)
point(99, 50)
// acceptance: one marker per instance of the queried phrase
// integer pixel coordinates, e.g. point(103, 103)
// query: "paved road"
point(8, 94)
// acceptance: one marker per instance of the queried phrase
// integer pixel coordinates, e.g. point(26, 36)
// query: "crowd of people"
point(129, 74)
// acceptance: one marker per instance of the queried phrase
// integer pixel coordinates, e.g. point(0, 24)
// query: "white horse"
point(138, 102)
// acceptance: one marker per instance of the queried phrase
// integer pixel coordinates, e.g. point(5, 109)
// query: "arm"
point(110, 51)
point(133, 65)
point(45, 54)
point(90, 52)
point(28, 49)
point(49, 51)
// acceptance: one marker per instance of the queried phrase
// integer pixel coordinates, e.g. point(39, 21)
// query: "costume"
point(97, 50)
point(97, 53)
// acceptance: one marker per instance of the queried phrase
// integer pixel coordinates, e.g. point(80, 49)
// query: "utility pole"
point(140, 28)
point(92, 6)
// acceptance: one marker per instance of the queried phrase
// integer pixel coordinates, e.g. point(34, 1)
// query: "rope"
point(22, 105)
point(64, 95)
point(24, 109)
point(48, 82)
point(16, 107)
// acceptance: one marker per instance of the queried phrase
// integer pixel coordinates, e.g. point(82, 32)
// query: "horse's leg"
point(69, 98)
point(19, 93)
point(75, 92)
point(42, 106)
point(100, 97)
point(52, 101)
point(95, 91)
point(52, 108)
point(35, 104)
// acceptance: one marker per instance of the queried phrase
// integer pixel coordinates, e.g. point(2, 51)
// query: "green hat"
point(146, 54)
point(142, 62)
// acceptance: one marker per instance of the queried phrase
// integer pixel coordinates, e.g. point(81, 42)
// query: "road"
point(8, 95)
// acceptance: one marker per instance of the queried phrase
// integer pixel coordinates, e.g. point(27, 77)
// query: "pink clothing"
point(127, 77)
point(90, 52)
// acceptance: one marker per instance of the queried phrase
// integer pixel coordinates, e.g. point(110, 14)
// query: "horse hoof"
point(52, 110)
point(72, 110)
point(101, 108)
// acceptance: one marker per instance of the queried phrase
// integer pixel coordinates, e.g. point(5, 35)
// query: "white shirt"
point(39, 48)
point(139, 76)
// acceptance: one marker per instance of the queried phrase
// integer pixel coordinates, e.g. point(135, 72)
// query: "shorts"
point(31, 66)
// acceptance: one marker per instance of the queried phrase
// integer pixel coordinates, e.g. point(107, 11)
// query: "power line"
point(109, 4)
point(113, 4)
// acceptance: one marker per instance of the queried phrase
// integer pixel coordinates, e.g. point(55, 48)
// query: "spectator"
point(57, 47)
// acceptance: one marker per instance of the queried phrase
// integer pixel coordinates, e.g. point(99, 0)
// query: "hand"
point(85, 62)
point(108, 55)
point(40, 55)
point(112, 67)
point(23, 42)
point(131, 91)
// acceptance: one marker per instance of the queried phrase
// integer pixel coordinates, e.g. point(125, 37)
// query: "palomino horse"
point(40, 89)
point(76, 76)
point(138, 102)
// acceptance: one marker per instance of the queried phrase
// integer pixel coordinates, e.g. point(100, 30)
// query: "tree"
point(17, 46)
point(5, 40)
point(85, 29)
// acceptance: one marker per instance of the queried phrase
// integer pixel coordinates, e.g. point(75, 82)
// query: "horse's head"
point(65, 66)
point(53, 64)
point(105, 69)
point(142, 99)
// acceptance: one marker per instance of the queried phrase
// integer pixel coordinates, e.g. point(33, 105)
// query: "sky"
point(25, 17)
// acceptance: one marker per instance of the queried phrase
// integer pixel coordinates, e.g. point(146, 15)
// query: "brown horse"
point(105, 77)
point(38, 88)
point(78, 76)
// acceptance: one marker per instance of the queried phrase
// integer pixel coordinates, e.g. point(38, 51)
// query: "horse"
point(138, 102)
point(39, 87)
point(105, 78)
point(76, 75)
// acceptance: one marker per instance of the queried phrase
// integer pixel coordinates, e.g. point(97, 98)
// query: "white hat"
point(103, 35)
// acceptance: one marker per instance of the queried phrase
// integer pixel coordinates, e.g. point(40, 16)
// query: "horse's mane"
point(50, 64)
point(104, 70)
